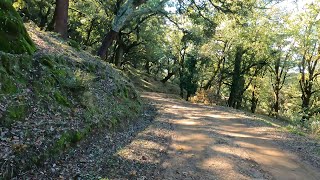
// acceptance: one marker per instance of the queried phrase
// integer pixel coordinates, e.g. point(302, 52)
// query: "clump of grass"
point(315, 128)
point(295, 130)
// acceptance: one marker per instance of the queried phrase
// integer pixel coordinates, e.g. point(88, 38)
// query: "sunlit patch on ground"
point(210, 143)
point(186, 122)
point(221, 116)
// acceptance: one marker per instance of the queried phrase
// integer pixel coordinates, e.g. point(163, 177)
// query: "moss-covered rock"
point(13, 35)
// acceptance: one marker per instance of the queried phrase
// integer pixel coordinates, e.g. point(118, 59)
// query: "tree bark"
point(170, 74)
point(147, 66)
point(306, 82)
point(92, 23)
point(237, 80)
point(254, 100)
point(61, 18)
point(126, 12)
point(208, 84)
point(119, 54)
point(106, 43)
point(278, 76)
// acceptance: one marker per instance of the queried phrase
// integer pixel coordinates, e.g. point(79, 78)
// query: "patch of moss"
point(125, 92)
point(74, 44)
point(113, 122)
point(48, 61)
point(61, 99)
point(13, 35)
point(15, 64)
point(295, 130)
point(15, 112)
point(7, 85)
point(67, 139)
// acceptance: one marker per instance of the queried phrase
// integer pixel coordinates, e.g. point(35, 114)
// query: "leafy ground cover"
point(53, 99)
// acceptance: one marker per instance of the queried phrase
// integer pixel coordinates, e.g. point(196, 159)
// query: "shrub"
point(315, 127)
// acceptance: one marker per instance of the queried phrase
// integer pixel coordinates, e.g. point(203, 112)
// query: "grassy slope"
point(144, 82)
point(53, 99)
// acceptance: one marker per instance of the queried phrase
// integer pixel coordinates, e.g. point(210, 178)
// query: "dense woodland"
point(255, 55)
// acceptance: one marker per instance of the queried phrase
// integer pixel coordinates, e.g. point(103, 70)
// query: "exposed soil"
point(187, 141)
point(220, 143)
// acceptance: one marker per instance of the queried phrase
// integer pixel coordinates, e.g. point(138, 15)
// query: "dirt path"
point(186, 141)
point(218, 143)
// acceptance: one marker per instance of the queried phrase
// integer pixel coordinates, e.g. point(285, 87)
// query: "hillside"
point(54, 98)
point(145, 82)
point(158, 89)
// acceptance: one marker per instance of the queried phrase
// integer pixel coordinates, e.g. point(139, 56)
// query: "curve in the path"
point(219, 143)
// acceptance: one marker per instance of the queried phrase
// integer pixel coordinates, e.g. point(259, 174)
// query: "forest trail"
point(220, 143)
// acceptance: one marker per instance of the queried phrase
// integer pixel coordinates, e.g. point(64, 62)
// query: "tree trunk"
point(254, 100)
point(125, 13)
point(208, 84)
point(106, 43)
point(235, 89)
point(188, 96)
point(218, 93)
point(306, 97)
point(170, 74)
point(92, 23)
point(220, 78)
point(306, 85)
point(181, 85)
point(61, 18)
point(147, 66)
point(240, 91)
point(276, 106)
point(119, 55)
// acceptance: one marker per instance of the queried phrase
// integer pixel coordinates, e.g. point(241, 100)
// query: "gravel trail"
point(221, 143)
point(174, 139)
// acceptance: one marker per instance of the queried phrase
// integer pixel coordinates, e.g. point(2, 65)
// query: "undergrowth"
point(59, 100)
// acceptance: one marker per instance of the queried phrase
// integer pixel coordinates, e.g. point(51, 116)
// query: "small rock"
point(82, 160)
point(53, 170)
point(142, 178)
point(133, 173)
point(185, 174)
point(144, 158)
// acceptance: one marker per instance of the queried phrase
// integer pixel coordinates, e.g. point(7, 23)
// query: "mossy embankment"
point(13, 35)
point(53, 99)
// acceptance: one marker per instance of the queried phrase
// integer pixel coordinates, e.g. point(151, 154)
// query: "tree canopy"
point(257, 55)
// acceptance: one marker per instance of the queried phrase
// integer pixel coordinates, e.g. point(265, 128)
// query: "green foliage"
point(13, 35)
point(295, 130)
point(74, 44)
point(8, 86)
point(315, 128)
point(57, 88)
point(189, 78)
point(15, 112)
point(61, 99)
